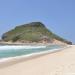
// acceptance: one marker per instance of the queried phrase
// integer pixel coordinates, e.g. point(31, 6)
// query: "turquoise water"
point(12, 52)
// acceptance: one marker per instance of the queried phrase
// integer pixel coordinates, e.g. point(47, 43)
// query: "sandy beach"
point(58, 63)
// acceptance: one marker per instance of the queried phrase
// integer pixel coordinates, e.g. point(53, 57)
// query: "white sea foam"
point(20, 47)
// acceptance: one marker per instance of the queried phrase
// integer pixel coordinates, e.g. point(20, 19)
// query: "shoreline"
point(57, 63)
point(34, 43)
point(6, 61)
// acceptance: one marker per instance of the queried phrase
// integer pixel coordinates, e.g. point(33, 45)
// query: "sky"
point(57, 15)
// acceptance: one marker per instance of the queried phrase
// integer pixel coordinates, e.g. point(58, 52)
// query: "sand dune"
point(58, 63)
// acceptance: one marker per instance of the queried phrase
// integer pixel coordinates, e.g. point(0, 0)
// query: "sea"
point(7, 51)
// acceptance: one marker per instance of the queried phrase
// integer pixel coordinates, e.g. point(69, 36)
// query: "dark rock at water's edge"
point(32, 32)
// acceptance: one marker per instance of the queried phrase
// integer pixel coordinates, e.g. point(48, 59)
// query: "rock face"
point(32, 32)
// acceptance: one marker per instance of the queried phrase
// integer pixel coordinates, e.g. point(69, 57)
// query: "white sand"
point(58, 63)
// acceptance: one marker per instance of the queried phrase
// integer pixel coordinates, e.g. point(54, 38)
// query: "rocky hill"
point(32, 32)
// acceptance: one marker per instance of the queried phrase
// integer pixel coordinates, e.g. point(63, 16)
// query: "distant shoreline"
point(25, 43)
point(33, 43)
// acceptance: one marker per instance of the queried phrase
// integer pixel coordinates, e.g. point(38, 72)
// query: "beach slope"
point(58, 63)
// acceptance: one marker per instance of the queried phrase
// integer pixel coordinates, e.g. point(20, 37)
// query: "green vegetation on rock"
point(33, 32)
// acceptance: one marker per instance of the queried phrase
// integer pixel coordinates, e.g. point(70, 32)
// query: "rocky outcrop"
point(32, 32)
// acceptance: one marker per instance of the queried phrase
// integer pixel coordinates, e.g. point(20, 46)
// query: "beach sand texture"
point(58, 63)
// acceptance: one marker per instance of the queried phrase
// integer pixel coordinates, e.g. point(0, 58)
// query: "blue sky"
point(57, 15)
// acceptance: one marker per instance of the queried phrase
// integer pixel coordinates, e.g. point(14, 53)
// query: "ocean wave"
point(20, 47)
point(9, 59)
